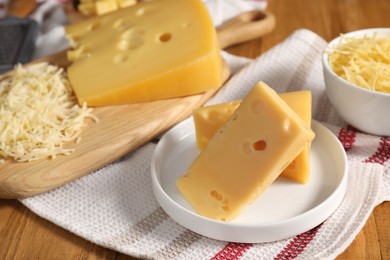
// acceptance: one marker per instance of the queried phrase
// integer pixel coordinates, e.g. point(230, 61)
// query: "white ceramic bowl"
point(366, 110)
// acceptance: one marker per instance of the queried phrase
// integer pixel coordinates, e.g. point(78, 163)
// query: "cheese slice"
point(209, 119)
point(299, 169)
point(149, 51)
point(245, 156)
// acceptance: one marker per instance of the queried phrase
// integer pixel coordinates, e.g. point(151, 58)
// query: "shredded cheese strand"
point(363, 61)
point(39, 114)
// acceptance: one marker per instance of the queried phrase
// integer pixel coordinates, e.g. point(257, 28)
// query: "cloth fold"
point(51, 19)
point(115, 206)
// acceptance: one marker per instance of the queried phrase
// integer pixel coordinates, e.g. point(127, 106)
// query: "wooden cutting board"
point(121, 129)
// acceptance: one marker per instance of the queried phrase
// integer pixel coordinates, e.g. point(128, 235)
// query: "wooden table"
point(24, 235)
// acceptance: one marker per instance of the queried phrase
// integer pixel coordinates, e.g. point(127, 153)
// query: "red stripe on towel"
point(297, 244)
point(382, 154)
point(347, 137)
point(232, 251)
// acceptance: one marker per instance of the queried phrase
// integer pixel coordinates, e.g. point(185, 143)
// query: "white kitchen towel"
point(222, 10)
point(51, 18)
point(115, 206)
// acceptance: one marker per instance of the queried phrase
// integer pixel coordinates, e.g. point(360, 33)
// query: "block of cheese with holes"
point(208, 119)
point(153, 50)
point(245, 156)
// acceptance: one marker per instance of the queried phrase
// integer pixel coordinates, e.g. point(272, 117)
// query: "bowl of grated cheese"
point(356, 69)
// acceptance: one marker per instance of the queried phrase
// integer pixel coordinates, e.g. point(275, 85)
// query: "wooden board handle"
point(244, 27)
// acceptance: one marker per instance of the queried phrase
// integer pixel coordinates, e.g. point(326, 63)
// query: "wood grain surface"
point(24, 235)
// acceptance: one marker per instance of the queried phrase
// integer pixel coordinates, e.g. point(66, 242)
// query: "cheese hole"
point(186, 25)
point(225, 208)
point(140, 12)
point(165, 37)
point(121, 58)
point(93, 26)
point(258, 106)
point(123, 45)
point(215, 194)
point(123, 25)
point(130, 44)
point(131, 33)
point(260, 145)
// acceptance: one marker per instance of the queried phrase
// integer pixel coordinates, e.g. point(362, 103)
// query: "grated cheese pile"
point(363, 61)
point(38, 114)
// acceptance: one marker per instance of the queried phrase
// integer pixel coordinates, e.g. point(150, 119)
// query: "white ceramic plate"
point(285, 209)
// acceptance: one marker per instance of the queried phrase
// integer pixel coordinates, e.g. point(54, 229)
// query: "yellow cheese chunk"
point(105, 6)
point(100, 7)
point(150, 51)
point(87, 8)
point(245, 156)
point(209, 119)
point(299, 169)
point(126, 3)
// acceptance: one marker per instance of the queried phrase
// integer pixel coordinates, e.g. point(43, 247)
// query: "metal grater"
point(17, 40)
